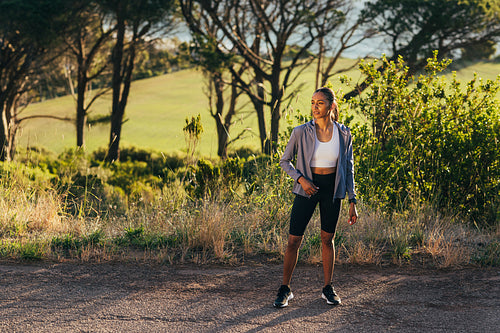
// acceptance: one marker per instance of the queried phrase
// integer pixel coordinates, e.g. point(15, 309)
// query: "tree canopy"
point(28, 30)
point(260, 33)
point(255, 47)
point(415, 28)
point(135, 22)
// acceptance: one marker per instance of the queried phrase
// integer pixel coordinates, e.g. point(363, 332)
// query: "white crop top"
point(326, 154)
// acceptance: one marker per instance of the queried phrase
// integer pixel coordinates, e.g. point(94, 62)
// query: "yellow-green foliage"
point(240, 220)
point(429, 139)
point(171, 210)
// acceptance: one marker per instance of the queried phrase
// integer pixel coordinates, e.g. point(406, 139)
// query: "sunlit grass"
point(158, 107)
point(168, 226)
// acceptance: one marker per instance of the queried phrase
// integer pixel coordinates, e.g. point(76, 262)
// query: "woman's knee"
point(326, 238)
point(294, 241)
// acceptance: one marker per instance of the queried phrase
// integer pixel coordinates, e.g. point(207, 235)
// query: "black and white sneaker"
point(284, 295)
point(330, 295)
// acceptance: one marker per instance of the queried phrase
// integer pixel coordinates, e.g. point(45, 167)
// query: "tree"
point(260, 32)
point(415, 28)
point(136, 22)
point(215, 65)
point(86, 41)
point(332, 43)
point(28, 31)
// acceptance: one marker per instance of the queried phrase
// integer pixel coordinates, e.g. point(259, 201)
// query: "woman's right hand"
point(308, 186)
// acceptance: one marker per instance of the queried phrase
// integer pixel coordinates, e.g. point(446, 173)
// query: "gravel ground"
point(69, 297)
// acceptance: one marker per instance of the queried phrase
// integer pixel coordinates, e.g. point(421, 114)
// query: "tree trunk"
point(259, 101)
point(259, 108)
point(11, 147)
point(222, 139)
point(114, 139)
point(81, 113)
point(275, 125)
point(276, 95)
point(4, 141)
point(219, 109)
point(119, 109)
point(8, 129)
point(232, 109)
point(116, 110)
point(321, 52)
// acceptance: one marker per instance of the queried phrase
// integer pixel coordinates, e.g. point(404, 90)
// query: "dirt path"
point(140, 298)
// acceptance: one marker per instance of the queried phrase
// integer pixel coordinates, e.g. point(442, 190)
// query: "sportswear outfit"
point(307, 151)
point(332, 188)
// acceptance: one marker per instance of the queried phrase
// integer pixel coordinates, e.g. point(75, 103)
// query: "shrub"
point(206, 176)
point(428, 140)
point(68, 244)
point(83, 194)
point(490, 255)
point(20, 174)
point(31, 250)
point(156, 161)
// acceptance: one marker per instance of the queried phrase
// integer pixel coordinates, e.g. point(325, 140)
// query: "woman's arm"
point(353, 212)
point(351, 193)
point(289, 155)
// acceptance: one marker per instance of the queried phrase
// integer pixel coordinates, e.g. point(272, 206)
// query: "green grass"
point(155, 116)
point(157, 109)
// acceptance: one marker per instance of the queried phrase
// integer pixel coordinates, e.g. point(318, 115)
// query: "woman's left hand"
point(353, 214)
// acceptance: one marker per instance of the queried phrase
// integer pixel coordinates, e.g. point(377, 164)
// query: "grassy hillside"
point(157, 110)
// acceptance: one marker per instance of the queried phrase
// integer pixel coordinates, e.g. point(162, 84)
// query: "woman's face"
point(320, 106)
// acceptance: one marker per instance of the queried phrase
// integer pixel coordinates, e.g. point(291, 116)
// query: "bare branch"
point(19, 120)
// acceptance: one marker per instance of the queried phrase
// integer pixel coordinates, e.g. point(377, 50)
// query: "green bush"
point(490, 255)
point(429, 140)
point(31, 250)
point(158, 164)
point(207, 178)
point(28, 176)
point(68, 244)
point(83, 194)
point(139, 170)
point(231, 172)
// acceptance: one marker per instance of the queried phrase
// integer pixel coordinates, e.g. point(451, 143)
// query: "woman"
point(323, 173)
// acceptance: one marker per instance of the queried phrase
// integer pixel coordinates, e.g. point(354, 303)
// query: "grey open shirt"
point(301, 145)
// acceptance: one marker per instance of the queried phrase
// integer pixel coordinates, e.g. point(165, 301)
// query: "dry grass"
point(35, 212)
point(450, 244)
point(210, 229)
point(166, 226)
point(362, 253)
point(406, 237)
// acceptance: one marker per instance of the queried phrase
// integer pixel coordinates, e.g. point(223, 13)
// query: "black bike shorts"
point(329, 208)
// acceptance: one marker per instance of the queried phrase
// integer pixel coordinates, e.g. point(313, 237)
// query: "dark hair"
point(330, 96)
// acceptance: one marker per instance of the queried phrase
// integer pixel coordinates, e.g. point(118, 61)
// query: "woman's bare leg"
point(291, 256)
point(328, 255)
